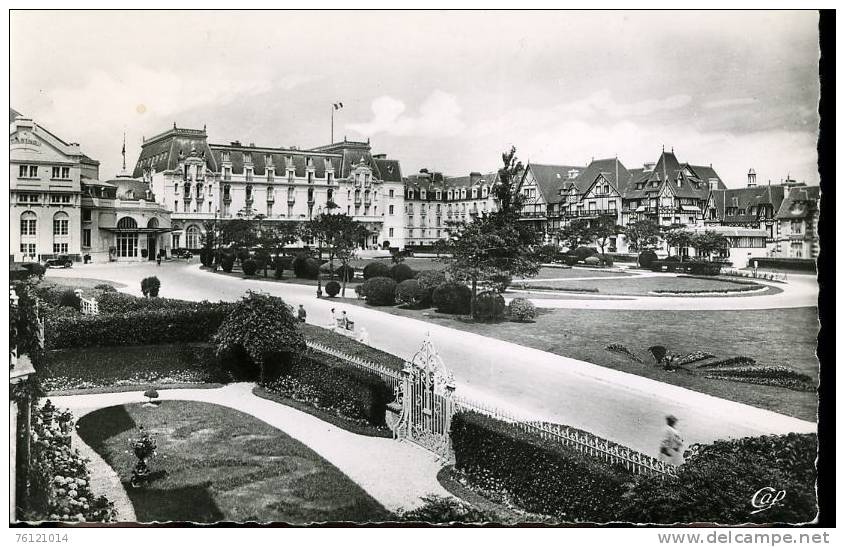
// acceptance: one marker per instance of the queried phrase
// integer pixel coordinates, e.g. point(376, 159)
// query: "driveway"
point(621, 407)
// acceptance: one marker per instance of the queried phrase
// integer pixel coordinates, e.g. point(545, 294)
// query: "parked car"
point(61, 261)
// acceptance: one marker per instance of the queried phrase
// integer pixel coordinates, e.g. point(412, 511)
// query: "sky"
point(446, 91)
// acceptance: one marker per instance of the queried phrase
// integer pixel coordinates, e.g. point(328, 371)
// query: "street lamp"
point(216, 260)
point(319, 258)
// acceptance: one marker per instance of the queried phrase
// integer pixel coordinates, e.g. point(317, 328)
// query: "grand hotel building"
point(200, 181)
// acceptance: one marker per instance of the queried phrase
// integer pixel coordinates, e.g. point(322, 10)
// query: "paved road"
point(622, 407)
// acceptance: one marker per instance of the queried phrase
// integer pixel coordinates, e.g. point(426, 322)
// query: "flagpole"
point(332, 138)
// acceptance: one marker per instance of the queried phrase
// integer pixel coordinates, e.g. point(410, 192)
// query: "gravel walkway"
point(104, 480)
point(397, 474)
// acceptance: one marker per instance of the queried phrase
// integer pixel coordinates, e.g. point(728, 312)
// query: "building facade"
point(45, 198)
point(798, 221)
point(432, 202)
point(198, 182)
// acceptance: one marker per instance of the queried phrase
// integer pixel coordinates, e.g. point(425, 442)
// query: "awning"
point(690, 208)
point(640, 209)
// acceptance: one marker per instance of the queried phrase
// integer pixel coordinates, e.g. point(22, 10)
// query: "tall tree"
point(708, 242)
point(642, 235)
point(678, 237)
point(496, 246)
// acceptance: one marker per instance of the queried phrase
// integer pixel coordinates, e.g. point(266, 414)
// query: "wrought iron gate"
point(427, 402)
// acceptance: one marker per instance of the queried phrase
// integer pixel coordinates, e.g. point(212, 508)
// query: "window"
point(59, 248)
point(59, 199)
point(484, 192)
point(391, 210)
point(28, 171)
point(270, 174)
point(176, 206)
point(192, 237)
point(410, 194)
point(86, 215)
point(28, 224)
point(329, 177)
point(390, 192)
point(28, 249)
point(474, 193)
point(422, 194)
point(227, 173)
point(390, 232)
point(60, 224)
point(60, 172)
point(248, 192)
point(249, 175)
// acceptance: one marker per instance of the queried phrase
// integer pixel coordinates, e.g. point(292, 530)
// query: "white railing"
point(392, 377)
point(88, 306)
point(752, 274)
point(634, 461)
point(592, 445)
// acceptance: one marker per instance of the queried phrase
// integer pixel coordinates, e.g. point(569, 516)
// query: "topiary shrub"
point(332, 288)
point(410, 293)
point(592, 261)
point(376, 269)
point(489, 306)
point(227, 263)
point(305, 267)
point(360, 291)
point(150, 286)
point(718, 481)
point(69, 299)
point(429, 280)
point(242, 254)
point(380, 291)
point(401, 272)
point(206, 257)
point(451, 297)
point(570, 260)
point(259, 337)
point(522, 309)
point(582, 253)
point(249, 266)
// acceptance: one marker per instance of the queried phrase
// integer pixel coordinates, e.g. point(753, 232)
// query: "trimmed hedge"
point(695, 267)
point(429, 280)
point(646, 258)
point(401, 272)
point(489, 306)
point(538, 475)
point(452, 297)
point(152, 326)
point(801, 264)
point(583, 253)
point(120, 303)
point(376, 269)
point(227, 263)
point(332, 288)
point(592, 260)
point(330, 383)
point(305, 267)
point(380, 291)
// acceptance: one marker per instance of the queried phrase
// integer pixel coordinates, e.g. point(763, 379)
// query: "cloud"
point(439, 115)
point(602, 103)
point(723, 103)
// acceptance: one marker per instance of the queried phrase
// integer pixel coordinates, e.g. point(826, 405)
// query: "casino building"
point(198, 181)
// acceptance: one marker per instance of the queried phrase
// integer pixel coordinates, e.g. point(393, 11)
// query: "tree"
point(679, 238)
point(576, 233)
point(495, 247)
point(339, 234)
point(603, 229)
point(641, 235)
point(708, 242)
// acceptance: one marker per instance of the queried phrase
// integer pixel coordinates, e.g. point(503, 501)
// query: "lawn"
point(785, 337)
point(567, 273)
point(217, 464)
point(643, 286)
point(71, 369)
point(347, 345)
point(87, 285)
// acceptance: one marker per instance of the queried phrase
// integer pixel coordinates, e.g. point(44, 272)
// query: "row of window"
point(450, 194)
point(29, 249)
point(31, 172)
point(29, 224)
point(55, 199)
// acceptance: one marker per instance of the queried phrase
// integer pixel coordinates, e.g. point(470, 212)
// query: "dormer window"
point(271, 174)
point(226, 156)
point(410, 194)
point(422, 193)
point(484, 191)
point(439, 195)
point(474, 193)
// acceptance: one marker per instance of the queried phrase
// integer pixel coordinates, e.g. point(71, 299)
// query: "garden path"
point(104, 480)
point(396, 474)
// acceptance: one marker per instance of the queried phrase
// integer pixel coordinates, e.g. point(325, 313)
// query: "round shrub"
point(451, 297)
point(582, 253)
point(150, 286)
point(570, 260)
point(429, 280)
point(242, 254)
point(332, 288)
point(521, 309)
point(592, 261)
point(646, 258)
point(345, 273)
point(69, 299)
point(259, 338)
point(249, 266)
point(489, 306)
point(360, 291)
point(35, 269)
point(410, 293)
point(227, 263)
point(380, 291)
point(376, 269)
point(305, 267)
point(401, 272)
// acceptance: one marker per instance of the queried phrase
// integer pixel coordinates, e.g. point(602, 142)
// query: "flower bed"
point(769, 376)
point(733, 361)
point(60, 488)
point(693, 357)
point(619, 348)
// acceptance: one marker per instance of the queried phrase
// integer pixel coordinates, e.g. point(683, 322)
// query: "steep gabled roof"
point(745, 199)
point(799, 202)
point(551, 179)
point(611, 169)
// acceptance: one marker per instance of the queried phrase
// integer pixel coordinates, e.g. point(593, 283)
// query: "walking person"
point(672, 444)
point(300, 313)
point(332, 319)
point(158, 259)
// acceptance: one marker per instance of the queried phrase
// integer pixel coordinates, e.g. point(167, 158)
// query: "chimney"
point(752, 178)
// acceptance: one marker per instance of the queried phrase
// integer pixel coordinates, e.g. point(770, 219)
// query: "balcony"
point(291, 199)
point(200, 197)
point(587, 214)
point(227, 198)
point(357, 201)
point(271, 198)
point(532, 215)
point(186, 197)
